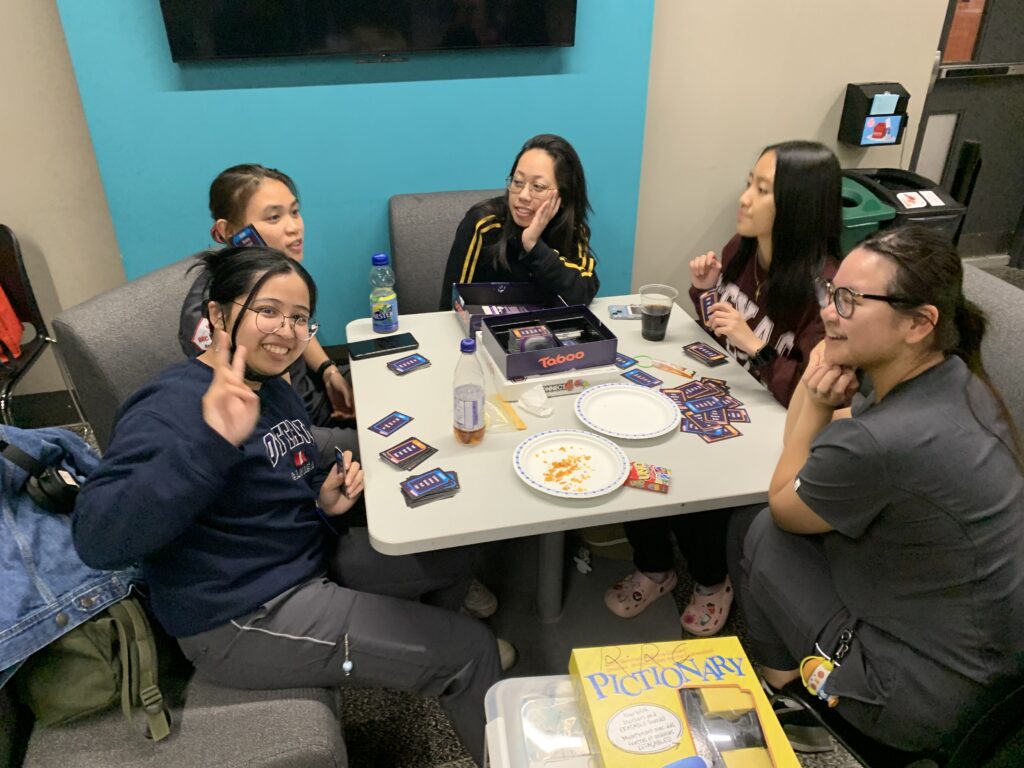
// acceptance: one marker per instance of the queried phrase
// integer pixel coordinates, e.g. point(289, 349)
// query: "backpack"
point(110, 657)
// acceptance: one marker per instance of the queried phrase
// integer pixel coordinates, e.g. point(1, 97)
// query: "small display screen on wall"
point(232, 29)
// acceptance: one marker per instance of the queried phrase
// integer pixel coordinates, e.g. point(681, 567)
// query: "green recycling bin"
point(863, 213)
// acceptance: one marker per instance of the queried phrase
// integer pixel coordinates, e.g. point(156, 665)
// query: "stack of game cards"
point(430, 486)
point(408, 454)
point(708, 410)
point(705, 353)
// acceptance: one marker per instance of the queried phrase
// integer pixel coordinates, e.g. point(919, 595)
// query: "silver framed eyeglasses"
point(845, 299)
point(518, 185)
point(272, 320)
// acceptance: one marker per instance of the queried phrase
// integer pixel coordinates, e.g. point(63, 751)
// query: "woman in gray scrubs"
point(894, 545)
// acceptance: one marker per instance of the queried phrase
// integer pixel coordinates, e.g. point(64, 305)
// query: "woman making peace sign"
point(211, 480)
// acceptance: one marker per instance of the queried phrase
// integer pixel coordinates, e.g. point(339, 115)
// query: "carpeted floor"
point(390, 729)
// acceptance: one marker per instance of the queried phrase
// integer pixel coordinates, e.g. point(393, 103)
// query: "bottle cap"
point(380, 260)
point(468, 345)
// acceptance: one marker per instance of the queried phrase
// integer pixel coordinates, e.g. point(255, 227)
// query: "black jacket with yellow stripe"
point(471, 261)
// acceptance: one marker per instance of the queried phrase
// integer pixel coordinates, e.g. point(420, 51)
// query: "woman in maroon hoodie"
point(766, 314)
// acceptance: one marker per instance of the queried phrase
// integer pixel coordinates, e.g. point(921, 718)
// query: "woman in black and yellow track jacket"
point(536, 233)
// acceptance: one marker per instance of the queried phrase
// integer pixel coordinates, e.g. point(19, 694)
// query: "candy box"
point(649, 477)
point(685, 702)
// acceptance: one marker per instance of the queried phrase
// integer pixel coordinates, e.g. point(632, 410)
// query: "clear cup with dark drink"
point(655, 307)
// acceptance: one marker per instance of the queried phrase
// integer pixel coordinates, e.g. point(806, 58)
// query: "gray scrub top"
point(927, 506)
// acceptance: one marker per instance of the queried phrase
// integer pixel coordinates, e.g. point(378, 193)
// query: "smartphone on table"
point(385, 345)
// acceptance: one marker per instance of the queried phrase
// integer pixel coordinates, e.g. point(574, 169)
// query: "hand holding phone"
point(342, 469)
point(247, 236)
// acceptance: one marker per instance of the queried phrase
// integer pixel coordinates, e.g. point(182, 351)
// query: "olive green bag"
point(111, 657)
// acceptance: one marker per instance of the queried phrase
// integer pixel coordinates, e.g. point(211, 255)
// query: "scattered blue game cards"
point(738, 414)
point(704, 404)
point(624, 361)
point(408, 364)
point(390, 424)
point(695, 389)
point(408, 454)
point(643, 379)
point(724, 432)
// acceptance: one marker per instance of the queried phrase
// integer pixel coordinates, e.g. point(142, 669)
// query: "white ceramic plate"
point(570, 463)
point(627, 411)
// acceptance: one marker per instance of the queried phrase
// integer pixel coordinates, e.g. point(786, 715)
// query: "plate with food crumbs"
point(570, 463)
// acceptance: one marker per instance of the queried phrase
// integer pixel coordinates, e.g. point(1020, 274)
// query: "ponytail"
point(929, 271)
point(970, 323)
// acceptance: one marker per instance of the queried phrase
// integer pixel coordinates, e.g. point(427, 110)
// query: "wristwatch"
point(765, 355)
point(323, 368)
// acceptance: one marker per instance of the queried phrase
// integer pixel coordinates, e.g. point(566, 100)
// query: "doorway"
point(977, 97)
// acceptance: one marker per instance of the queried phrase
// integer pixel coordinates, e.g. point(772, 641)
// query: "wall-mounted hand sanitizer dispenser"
point(874, 114)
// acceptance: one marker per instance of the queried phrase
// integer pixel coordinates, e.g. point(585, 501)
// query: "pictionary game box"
point(654, 705)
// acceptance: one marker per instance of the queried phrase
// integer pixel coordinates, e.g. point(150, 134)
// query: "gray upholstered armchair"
point(422, 230)
point(112, 344)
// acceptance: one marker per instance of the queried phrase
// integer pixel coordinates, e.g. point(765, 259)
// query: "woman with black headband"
point(211, 480)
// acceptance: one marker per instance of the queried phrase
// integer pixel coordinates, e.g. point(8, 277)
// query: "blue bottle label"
point(384, 311)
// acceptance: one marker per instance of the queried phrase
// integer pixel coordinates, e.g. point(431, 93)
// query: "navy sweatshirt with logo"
point(219, 530)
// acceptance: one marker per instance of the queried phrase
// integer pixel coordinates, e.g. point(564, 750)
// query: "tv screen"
point(232, 29)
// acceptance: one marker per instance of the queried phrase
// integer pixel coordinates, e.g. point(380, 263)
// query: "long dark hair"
point(569, 227)
point(234, 187)
point(929, 271)
point(805, 233)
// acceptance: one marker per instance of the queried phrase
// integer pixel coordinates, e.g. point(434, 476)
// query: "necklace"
point(757, 283)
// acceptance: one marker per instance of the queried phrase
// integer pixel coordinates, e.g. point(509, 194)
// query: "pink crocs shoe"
point(635, 592)
point(706, 614)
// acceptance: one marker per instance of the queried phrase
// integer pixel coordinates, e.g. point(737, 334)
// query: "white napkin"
point(535, 401)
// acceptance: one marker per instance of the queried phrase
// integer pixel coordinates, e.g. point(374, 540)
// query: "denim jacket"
point(47, 590)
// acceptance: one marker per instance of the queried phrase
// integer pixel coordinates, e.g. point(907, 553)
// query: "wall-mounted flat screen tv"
point(235, 29)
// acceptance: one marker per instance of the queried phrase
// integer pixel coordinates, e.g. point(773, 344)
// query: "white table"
point(493, 503)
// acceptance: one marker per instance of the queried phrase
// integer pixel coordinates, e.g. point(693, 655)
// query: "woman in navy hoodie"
point(211, 480)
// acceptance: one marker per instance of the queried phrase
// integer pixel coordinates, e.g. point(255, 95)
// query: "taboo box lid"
point(472, 302)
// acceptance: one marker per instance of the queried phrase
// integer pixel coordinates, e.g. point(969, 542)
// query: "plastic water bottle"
point(383, 299)
point(469, 396)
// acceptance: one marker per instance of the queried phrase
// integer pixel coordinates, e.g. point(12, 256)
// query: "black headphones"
point(52, 488)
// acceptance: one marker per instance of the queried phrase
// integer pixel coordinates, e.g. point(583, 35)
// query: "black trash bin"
point(917, 200)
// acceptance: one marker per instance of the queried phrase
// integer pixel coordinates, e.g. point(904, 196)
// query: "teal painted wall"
point(352, 135)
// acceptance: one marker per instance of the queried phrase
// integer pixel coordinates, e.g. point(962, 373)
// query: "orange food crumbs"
point(570, 472)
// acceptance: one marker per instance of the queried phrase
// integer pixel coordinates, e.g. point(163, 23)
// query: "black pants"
point(701, 537)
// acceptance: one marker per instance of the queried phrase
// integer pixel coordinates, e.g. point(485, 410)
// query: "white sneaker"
point(508, 654)
point(480, 601)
